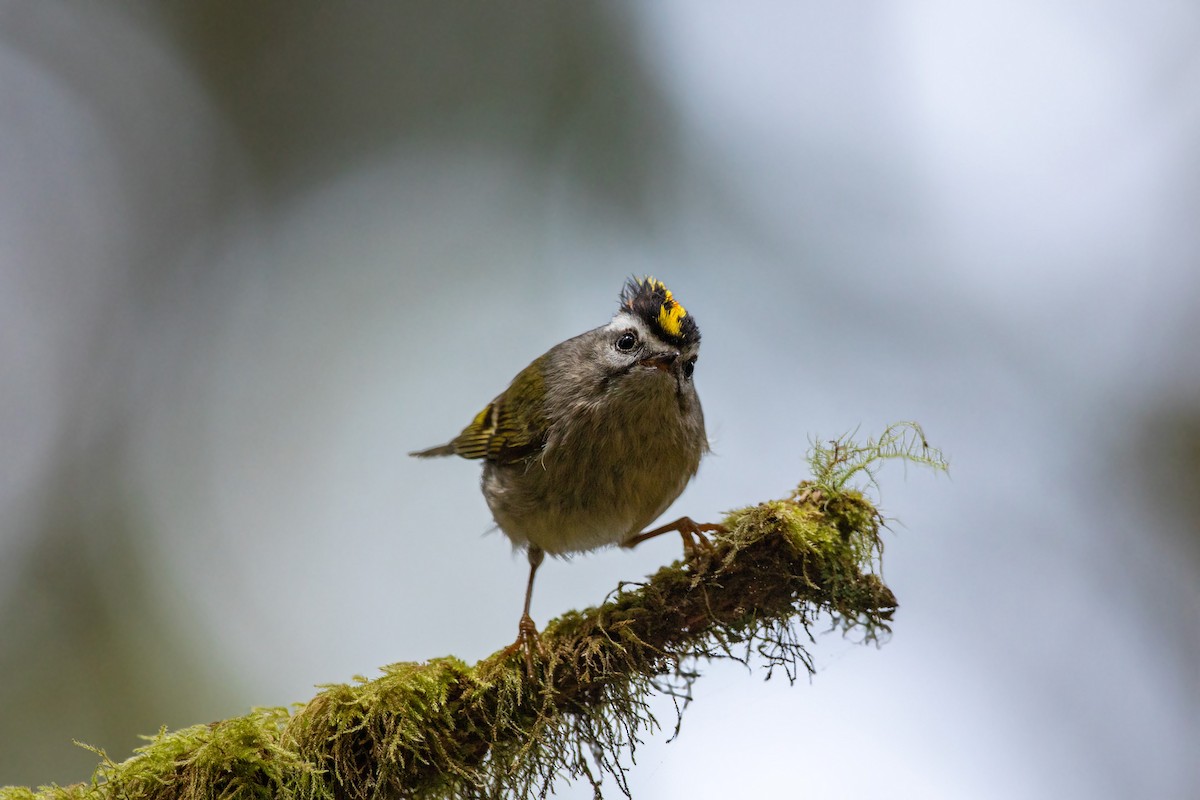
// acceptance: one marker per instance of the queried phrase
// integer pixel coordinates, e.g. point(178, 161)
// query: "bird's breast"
point(602, 478)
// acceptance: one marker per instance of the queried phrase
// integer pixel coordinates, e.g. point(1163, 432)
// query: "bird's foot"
point(694, 540)
point(692, 532)
point(527, 642)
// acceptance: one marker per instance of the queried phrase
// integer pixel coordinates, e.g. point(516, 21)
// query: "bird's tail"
point(441, 450)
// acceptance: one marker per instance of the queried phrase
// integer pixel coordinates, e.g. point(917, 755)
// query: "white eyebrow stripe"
point(625, 321)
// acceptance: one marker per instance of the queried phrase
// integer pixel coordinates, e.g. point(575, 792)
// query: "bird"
point(595, 439)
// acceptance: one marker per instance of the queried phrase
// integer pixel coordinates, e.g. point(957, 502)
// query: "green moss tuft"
point(23, 793)
point(835, 465)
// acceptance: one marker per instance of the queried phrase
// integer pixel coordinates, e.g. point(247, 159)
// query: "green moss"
point(839, 461)
point(239, 757)
point(444, 729)
point(22, 793)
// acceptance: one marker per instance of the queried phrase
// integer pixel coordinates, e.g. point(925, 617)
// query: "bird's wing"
point(511, 428)
point(499, 434)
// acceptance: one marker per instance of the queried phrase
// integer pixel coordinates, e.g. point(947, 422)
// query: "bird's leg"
point(527, 634)
point(692, 532)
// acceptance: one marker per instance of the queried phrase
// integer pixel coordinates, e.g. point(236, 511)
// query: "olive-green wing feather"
point(511, 428)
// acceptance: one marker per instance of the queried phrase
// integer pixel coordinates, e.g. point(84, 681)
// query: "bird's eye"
point(689, 367)
point(626, 341)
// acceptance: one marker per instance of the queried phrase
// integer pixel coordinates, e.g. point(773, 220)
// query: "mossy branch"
point(445, 729)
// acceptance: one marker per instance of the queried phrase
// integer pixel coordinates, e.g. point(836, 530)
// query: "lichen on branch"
point(442, 729)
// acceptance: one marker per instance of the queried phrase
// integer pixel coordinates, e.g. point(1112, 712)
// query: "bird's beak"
point(661, 361)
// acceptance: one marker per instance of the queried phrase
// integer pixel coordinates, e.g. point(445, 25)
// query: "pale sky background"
point(252, 254)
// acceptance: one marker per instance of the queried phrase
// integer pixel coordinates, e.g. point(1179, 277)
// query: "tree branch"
point(444, 729)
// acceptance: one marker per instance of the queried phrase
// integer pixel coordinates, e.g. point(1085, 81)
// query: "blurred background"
point(253, 253)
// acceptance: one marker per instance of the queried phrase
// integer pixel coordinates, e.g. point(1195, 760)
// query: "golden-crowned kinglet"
point(596, 438)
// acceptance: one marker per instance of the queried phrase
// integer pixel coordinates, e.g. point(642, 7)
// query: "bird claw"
point(527, 641)
point(692, 533)
point(695, 542)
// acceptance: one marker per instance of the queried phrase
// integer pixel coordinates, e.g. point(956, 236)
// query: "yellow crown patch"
point(670, 316)
point(652, 301)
